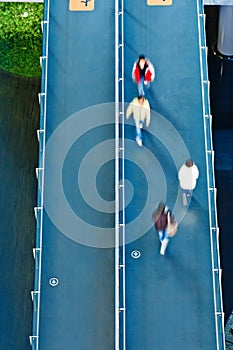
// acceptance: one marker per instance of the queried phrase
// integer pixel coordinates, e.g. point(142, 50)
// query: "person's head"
point(141, 60)
point(161, 207)
point(141, 99)
point(189, 163)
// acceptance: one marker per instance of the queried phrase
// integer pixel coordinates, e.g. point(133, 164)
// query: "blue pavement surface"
point(79, 311)
point(169, 298)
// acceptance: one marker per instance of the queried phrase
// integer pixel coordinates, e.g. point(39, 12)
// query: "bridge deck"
point(169, 298)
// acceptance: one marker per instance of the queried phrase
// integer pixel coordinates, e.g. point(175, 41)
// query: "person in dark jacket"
point(143, 73)
point(160, 218)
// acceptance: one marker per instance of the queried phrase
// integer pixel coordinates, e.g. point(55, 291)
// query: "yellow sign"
point(82, 5)
point(159, 2)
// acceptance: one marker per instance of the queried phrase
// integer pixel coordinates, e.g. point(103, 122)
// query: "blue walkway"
point(169, 299)
point(79, 312)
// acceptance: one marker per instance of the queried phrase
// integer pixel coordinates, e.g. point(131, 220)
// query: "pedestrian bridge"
point(100, 282)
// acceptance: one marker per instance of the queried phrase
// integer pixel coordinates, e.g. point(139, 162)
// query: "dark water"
point(19, 114)
point(221, 101)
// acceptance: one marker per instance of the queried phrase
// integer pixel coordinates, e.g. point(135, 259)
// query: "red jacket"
point(149, 73)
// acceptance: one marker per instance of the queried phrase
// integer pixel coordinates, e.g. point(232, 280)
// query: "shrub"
point(21, 38)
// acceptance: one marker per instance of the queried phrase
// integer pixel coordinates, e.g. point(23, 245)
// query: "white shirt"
point(188, 177)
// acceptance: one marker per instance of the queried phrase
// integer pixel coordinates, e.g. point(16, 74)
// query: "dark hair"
point(141, 96)
point(160, 210)
point(189, 163)
point(141, 57)
point(161, 207)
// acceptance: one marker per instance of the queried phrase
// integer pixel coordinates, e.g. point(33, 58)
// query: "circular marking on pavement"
point(136, 254)
point(90, 132)
point(53, 281)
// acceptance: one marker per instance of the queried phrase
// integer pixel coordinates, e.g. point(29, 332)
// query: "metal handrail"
point(41, 165)
point(122, 262)
point(217, 290)
point(117, 206)
point(120, 303)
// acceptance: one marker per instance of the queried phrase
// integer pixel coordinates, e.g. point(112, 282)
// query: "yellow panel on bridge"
point(82, 5)
point(159, 2)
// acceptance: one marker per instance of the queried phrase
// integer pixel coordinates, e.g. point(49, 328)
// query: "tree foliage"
point(21, 38)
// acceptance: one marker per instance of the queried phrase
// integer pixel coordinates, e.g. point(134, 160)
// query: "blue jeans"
point(139, 126)
point(164, 239)
point(162, 234)
point(140, 86)
point(186, 196)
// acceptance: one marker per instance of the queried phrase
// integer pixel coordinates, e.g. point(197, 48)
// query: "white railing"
point(120, 299)
point(37, 252)
point(212, 192)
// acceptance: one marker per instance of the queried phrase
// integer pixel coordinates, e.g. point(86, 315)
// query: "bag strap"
point(168, 217)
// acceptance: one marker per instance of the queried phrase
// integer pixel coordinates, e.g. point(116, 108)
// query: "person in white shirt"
point(188, 175)
point(139, 107)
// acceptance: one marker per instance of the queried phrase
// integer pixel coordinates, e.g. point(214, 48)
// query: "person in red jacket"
point(143, 73)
